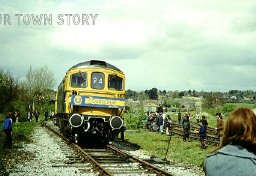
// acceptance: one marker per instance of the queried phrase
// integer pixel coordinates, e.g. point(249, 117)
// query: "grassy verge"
point(180, 152)
point(10, 157)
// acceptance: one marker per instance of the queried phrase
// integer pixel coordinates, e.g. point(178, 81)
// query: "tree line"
point(29, 93)
point(210, 99)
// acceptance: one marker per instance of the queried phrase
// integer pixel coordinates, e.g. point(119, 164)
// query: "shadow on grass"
point(129, 146)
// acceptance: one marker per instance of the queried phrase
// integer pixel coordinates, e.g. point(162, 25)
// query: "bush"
point(135, 118)
point(227, 108)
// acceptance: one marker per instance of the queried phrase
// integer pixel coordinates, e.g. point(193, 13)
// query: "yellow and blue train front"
point(87, 107)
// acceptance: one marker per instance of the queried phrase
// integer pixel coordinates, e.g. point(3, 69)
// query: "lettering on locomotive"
point(99, 101)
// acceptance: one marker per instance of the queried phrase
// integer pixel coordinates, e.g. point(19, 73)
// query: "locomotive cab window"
point(78, 80)
point(115, 82)
point(97, 80)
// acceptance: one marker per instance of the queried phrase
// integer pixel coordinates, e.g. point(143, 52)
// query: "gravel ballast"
point(49, 154)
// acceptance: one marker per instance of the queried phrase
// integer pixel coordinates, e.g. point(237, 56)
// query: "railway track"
point(107, 161)
point(211, 139)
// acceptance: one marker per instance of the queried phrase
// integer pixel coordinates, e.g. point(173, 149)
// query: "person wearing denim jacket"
point(236, 155)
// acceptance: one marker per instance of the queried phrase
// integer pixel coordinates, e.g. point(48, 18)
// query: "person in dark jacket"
point(36, 115)
point(236, 155)
point(202, 134)
point(179, 117)
point(46, 114)
point(186, 126)
point(160, 122)
point(7, 128)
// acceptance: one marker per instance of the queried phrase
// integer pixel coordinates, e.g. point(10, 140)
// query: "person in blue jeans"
point(7, 128)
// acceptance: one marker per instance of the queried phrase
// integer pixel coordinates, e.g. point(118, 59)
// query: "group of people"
point(159, 122)
point(30, 115)
point(12, 117)
point(47, 115)
point(185, 123)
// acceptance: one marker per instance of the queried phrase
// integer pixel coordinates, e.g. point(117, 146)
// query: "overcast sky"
point(169, 45)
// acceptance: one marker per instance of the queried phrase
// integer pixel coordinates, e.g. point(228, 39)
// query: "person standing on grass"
point(7, 128)
point(219, 126)
point(186, 126)
point(46, 114)
point(236, 155)
point(179, 117)
point(37, 115)
point(160, 122)
point(168, 124)
point(197, 117)
point(154, 124)
point(14, 116)
point(202, 134)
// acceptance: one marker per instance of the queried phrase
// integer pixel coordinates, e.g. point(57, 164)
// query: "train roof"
point(96, 63)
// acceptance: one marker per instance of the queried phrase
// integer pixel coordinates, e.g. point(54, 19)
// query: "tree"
point(175, 94)
point(38, 84)
point(181, 94)
point(152, 94)
point(131, 94)
point(227, 108)
point(9, 91)
point(212, 100)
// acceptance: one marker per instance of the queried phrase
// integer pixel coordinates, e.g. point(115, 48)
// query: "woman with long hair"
point(236, 155)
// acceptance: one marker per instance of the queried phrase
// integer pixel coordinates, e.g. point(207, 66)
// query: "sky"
point(200, 45)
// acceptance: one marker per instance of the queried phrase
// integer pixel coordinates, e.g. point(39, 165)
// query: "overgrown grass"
point(180, 152)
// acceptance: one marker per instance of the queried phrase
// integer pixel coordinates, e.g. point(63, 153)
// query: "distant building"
point(233, 97)
point(150, 105)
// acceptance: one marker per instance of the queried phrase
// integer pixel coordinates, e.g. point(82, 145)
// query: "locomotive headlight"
point(116, 122)
point(76, 120)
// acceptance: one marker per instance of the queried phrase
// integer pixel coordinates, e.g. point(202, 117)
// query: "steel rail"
point(145, 164)
point(95, 164)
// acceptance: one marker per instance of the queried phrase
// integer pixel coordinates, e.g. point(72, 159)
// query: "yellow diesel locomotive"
point(90, 101)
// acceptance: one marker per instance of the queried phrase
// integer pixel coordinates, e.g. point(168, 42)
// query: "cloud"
point(174, 45)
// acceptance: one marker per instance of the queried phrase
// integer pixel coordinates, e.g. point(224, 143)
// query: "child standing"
point(202, 134)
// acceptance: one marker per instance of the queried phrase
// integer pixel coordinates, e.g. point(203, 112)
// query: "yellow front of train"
point(90, 99)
